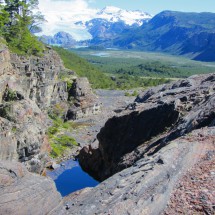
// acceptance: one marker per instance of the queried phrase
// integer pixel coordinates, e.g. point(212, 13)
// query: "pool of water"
point(69, 177)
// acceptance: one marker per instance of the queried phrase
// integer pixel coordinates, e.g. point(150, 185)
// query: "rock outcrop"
point(85, 102)
point(23, 192)
point(29, 87)
point(158, 116)
point(39, 78)
point(155, 184)
point(157, 156)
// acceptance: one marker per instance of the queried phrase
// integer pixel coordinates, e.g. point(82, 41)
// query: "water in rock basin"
point(69, 177)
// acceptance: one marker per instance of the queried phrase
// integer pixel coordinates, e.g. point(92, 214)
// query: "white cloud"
point(62, 14)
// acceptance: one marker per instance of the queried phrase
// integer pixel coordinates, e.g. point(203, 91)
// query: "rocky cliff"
point(30, 88)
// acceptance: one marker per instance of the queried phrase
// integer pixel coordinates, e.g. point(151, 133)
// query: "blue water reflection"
point(70, 178)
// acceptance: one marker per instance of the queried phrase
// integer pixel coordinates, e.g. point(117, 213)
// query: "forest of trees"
point(17, 20)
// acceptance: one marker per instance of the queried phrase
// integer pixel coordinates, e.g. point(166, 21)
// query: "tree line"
point(18, 19)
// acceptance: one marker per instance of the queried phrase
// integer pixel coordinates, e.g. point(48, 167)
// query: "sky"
point(156, 6)
point(61, 15)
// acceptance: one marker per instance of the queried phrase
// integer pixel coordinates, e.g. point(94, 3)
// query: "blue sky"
point(156, 6)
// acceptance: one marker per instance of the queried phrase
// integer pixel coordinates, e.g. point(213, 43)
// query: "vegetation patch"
point(99, 73)
point(134, 93)
point(145, 64)
point(125, 82)
point(14, 129)
point(11, 95)
point(60, 142)
point(5, 112)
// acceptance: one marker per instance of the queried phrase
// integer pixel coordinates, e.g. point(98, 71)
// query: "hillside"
point(101, 80)
point(84, 69)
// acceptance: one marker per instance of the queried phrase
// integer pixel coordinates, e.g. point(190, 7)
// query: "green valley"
point(131, 65)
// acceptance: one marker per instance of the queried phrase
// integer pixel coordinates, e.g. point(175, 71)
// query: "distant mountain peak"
point(129, 17)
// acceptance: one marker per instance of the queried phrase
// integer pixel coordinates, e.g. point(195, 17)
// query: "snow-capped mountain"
point(129, 17)
point(112, 21)
point(115, 14)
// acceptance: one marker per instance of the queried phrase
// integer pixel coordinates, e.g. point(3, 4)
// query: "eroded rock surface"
point(23, 192)
point(157, 156)
point(148, 185)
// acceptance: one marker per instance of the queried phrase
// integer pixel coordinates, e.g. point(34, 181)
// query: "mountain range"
point(191, 34)
point(179, 33)
point(105, 23)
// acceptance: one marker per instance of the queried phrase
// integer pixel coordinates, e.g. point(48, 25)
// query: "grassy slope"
point(85, 69)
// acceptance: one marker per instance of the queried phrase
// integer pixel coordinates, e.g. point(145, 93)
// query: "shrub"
point(62, 144)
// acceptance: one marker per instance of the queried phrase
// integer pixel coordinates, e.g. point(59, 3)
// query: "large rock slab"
point(25, 193)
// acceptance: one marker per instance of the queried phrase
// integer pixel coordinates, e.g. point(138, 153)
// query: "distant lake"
point(101, 54)
point(69, 177)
